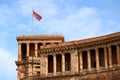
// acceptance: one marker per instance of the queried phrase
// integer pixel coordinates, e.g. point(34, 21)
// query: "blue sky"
point(75, 19)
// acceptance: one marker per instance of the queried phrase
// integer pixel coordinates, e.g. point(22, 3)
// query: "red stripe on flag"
point(37, 16)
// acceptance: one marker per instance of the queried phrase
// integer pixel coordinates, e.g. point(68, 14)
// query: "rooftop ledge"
point(99, 38)
point(40, 36)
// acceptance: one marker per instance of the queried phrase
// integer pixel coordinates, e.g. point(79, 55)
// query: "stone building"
point(48, 57)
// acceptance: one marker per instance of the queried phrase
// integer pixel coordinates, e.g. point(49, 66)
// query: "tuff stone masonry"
point(48, 57)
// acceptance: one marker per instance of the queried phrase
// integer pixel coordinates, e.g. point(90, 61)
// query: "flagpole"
point(35, 15)
point(32, 21)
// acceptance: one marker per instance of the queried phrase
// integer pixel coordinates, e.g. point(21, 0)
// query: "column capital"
point(54, 54)
point(36, 43)
point(19, 43)
point(96, 48)
point(27, 43)
point(108, 46)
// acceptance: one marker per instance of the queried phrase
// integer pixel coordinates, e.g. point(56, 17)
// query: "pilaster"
point(105, 58)
point(97, 59)
point(63, 63)
point(81, 61)
point(19, 52)
point(28, 46)
point(54, 64)
point(74, 61)
point(110, 57)
point(118, 54)
point(46, 59)
point(89, 60)
point(36, 46)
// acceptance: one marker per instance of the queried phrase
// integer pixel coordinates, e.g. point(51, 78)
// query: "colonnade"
point(105, 57)
point(56, 64)
point(111, 57)
point(28, 53)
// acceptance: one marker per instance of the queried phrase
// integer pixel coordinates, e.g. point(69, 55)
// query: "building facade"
point(48, 57)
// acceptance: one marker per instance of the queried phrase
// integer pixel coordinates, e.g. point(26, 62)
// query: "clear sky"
point(74, 19)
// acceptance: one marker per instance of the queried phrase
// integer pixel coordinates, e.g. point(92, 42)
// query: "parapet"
point(41, 37)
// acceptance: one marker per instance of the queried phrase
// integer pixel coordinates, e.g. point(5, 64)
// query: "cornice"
point(105, 41)
point(40, 37)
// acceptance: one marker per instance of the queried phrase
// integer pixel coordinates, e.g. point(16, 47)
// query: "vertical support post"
point(36, 46)
point(81, 61)
point(54, 64)
point(105, 58)
point(74, 59)
point(63, 63)
point(118, 55)
point(28, 49)
point(89, 61)
point(46, 58)
point(19, 52)
point(110, 57)
point(97, 59)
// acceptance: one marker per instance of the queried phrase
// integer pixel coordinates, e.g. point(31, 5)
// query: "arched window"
point(59, 62)
point(67, 62)
point(32, 49)
point(101, 56)
point(39, 47)
point(84, 58)
point(23, 50)
point(93, 58)
point(50, 64)
point(114, 54)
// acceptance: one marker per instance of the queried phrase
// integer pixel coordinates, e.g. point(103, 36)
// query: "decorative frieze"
point(81, 45)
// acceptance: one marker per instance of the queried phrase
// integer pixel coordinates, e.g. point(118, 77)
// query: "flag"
point(37, 16)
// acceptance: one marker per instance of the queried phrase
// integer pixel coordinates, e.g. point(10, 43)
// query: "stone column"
point(19, 52)
point(19, 74)
point(63, 63)
point(97, 60)
point(89, 60)
point(110, 57)
point(54, 64)
point(105, 58)
point(28, 46)
point(46, 58)
point(74, 61)
point(118, 54)
point(81, 62)
point(36, 46)
point(44, 65)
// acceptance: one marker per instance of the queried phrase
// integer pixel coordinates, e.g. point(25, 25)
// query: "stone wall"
point(43, 68)
point(110, 75)
point(74, 61)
